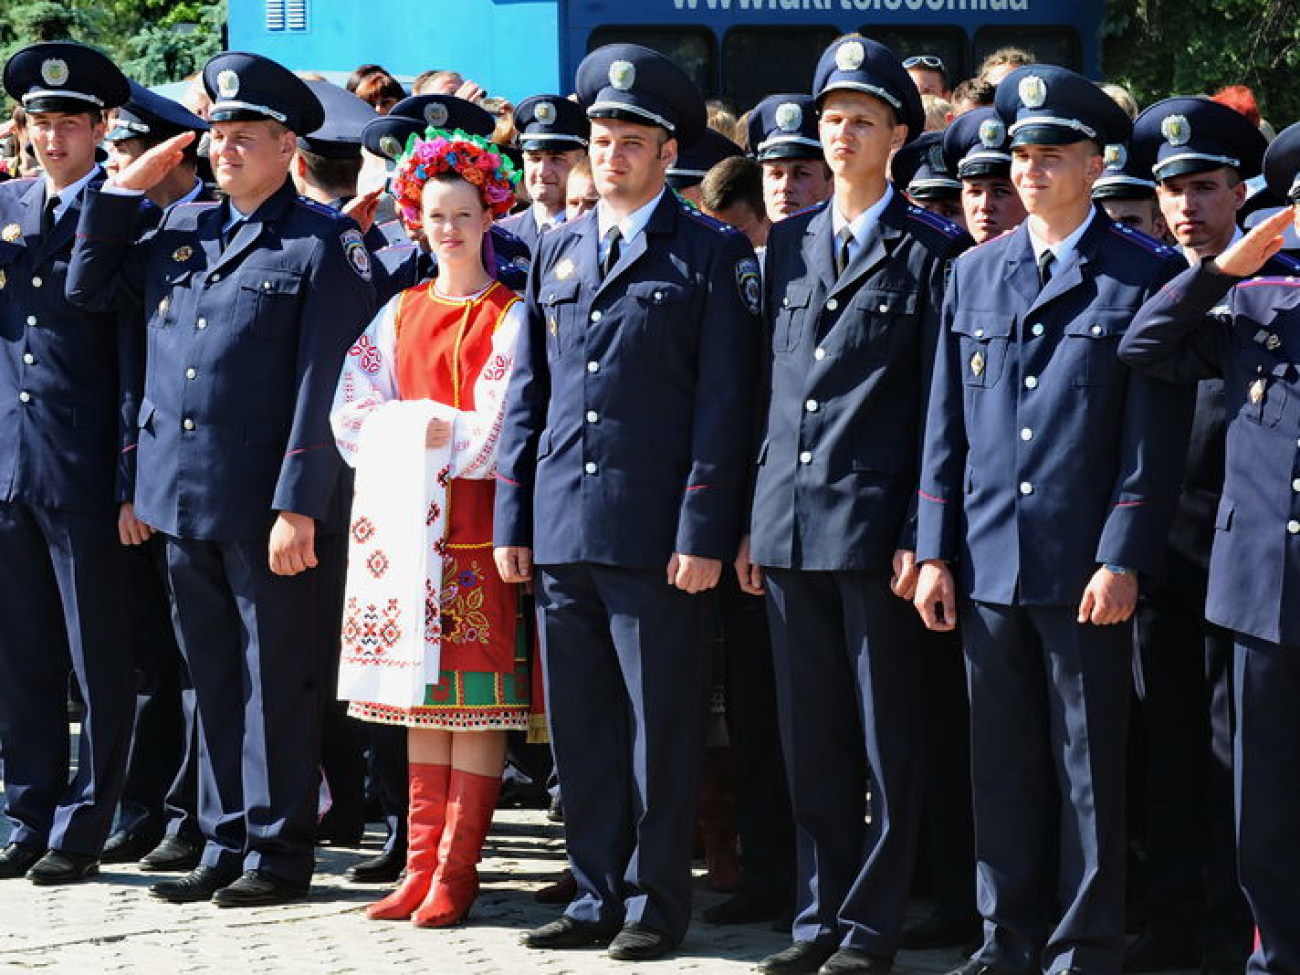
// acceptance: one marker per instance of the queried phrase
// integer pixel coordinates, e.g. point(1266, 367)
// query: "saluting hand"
point(363, 208)
point(1111, 597)
point(749, 574)
point(1254, 250)
point(691, 573)
point(936, 596)
point(130, 529)
point(293, 544)
point(149, 168)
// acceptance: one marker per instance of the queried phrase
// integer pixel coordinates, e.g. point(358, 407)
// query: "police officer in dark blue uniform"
point(1208, 322)
point(979, 152)
point(853, 291)
point(921, 171)
point(643, 332)
point(158, 821)
point(405, 262)
point(694, 162)
point(1047, 484)
point(252, 304)
point(1201, 153)
point(783, 138)
point(63, 395)
point(553, 133)
point(1127, 192)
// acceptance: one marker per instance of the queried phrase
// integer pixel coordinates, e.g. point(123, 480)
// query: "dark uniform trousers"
point(625, 665)
point(1202, 325)
point(834, 491)
point(625, 435)
point(65, 400)
point(245, 339)
point(1044, 459)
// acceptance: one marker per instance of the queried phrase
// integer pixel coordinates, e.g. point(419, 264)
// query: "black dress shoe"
point(938, 931)
point(801, 958)
point(124, 846)
point(383, 869)
point(567, 932)
point(555, 812)
point(61, 867)
point(257, 888)
point(640, 942)
point(1159, 953)
point(172, 855)
point(16, 859)
point(746, 907)
point(197, 885)
point(852, 961)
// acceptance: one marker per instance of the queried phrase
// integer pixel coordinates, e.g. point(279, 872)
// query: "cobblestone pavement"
point(111, 924)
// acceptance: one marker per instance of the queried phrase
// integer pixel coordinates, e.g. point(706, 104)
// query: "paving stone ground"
point(111, 924)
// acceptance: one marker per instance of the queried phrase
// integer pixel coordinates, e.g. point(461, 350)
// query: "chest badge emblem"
point(977, 363)
point(11, 232)
point(1257, 389)
point(564, 269)
point(182, 254)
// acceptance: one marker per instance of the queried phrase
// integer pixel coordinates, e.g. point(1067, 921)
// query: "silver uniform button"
point(191, 373)
point(1026, 434)
point(24, 397)
point(37, 282)
point(819, 354)
point(590, 467)
point(884, 309)
point(812, 406)
point(29, 358)
point(1096, 330)
point(1037, 328)
point(1295, 485)
point(659, 296)
point(592, 416)
point(1026, 488)
point(188, 424)
point(31, 319)
point(1031, 382)
point(1293, 527)
point(593, 366)
point(979, 333)
point(805, 457)
point(595, 317)
point(202, 323)
point(215, 277)
point(832, 305)
point(266, 285)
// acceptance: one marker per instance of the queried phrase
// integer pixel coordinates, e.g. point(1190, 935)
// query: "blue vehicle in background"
point(737, 50)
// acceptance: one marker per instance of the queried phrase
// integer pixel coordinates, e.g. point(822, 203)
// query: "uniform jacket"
point(524, 226)
point(628, 419)
point(1045, 456)
point(844, 396)
point(65, 385)
point(1207, 324)
point(245, 344)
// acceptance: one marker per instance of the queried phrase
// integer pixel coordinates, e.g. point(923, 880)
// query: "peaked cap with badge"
point(635, 84)
point(346, 115)
point(1282, 164)
point(1126, 176)
point(551, 122)
point(699, 157)
point(1046, 105)
point(248, 87)
point(63, 76)
point(856, 63)
point(977, 145)
point(1196, 135)
point(784, 127)
point(386, 135)
point(149, 116)
point(921, 169)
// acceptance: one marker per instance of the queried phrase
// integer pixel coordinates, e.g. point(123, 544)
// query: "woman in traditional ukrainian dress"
point(429, 632)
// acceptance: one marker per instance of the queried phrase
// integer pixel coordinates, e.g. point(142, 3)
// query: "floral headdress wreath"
point(470, 157)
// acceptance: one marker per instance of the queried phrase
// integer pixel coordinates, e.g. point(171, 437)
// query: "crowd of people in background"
point(882, 491)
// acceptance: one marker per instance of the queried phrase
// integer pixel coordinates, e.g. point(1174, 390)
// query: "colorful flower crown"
point(470, 157)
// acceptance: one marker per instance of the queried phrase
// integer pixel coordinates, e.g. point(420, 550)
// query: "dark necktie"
point(1046, 262)
point(47, 215)
point(845, 239)
point(230, 233)
point(612, 237)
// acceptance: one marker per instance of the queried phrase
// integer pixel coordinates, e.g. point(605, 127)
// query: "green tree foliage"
point(154, 41)
point(1158, 48)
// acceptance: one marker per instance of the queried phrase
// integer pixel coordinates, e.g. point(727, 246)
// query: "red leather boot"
point(470, 805)
point(426, 818)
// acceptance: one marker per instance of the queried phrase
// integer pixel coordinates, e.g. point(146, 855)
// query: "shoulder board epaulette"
point(713, 223)
point(991, 240)
point(401, 245)
point(197, 204)
point(1280, 281)
point(811, 208)
point(1149, 244)
point(934, 221)
point(316, 207)
point(505, 233)
point(1287, 261)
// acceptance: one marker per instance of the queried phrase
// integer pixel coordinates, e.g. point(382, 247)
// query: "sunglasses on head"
point(924, 61)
